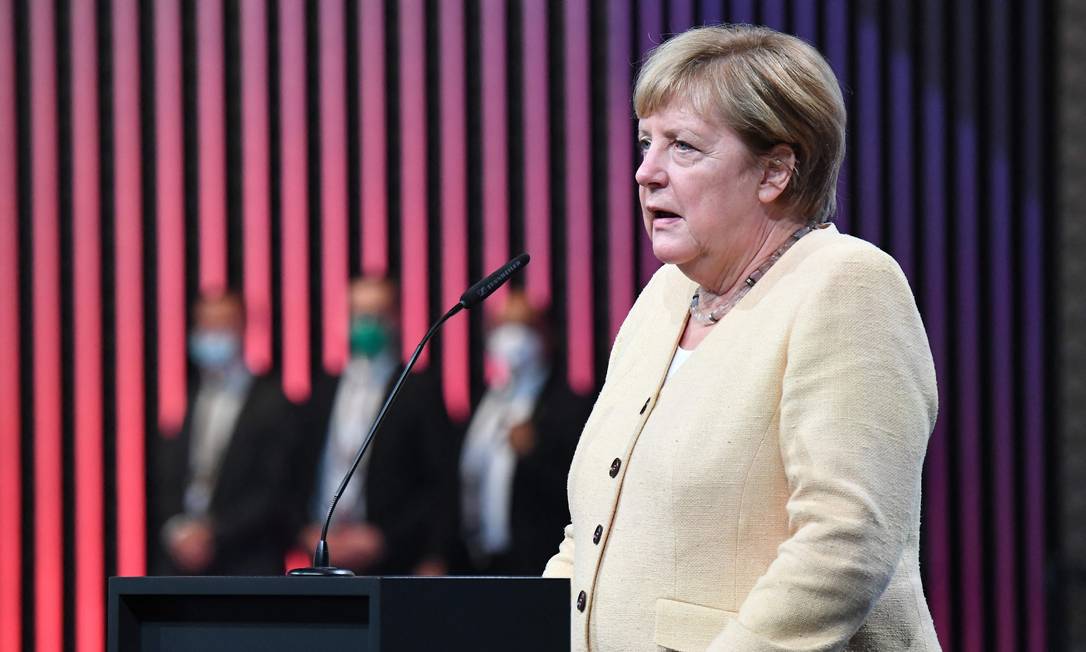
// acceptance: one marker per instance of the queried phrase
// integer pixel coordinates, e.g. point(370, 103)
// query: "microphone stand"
point(471, 298)
point(321, 566)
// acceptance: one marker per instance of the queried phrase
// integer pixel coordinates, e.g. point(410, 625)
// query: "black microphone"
point(484, 288)
point(475, 295)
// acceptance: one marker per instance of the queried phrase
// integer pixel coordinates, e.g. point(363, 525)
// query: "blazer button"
point(615, 466)
point(645, 405)
point(582, 599)
point(597, 535)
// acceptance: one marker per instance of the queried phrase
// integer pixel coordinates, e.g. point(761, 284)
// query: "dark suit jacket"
point(539, 508)
point(411, 475)
point(252, 529)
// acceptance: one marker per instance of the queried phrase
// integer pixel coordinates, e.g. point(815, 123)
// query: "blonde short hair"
point(770, 88)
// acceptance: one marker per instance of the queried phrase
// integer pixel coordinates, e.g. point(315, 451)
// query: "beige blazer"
point(767, 497)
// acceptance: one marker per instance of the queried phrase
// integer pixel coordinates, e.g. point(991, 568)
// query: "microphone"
point(473, 297)
point(484, 288)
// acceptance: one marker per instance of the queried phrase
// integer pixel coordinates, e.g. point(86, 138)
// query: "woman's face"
point(699, 189)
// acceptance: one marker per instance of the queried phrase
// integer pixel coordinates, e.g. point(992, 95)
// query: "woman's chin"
point(669, 254)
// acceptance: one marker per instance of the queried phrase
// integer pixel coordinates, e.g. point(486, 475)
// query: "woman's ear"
point(780, 165)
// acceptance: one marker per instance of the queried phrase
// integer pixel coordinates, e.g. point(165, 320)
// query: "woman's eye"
point(643, 144)
point(684, 146)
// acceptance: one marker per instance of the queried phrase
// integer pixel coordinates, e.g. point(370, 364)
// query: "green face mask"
point(369, 336)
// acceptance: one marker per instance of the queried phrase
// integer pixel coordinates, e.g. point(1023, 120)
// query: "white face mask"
point(214, 349)
point(512, 350)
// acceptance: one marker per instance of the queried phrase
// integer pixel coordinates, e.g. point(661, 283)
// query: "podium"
point(363, 614)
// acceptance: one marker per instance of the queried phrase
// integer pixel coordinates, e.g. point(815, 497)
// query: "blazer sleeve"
point(858, 404)
point(561, 564)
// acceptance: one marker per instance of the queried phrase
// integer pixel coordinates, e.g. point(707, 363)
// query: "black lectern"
point(400, 614)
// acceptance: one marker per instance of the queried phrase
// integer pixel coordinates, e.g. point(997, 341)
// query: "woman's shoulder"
point(832, 245)
point(831, 255)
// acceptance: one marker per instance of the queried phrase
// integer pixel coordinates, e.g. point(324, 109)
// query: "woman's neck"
point(730, 276)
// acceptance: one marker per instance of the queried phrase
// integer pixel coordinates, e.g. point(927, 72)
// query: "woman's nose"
point(651, 174)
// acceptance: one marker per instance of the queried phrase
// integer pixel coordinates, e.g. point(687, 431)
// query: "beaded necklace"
point(714, 315)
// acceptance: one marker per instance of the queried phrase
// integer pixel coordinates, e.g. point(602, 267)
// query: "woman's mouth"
point(664, 218)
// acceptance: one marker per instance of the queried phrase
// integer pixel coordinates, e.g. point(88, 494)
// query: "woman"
point(749, 478)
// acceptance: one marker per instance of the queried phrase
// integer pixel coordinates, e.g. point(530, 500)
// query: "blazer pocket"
point(685, 627)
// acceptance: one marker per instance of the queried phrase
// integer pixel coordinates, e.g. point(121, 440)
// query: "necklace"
point(713, 315)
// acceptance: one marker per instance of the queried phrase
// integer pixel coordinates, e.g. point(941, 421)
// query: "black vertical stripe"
point(915, 45)
point(514, 80)
point(1050, 178)
point(949, 80)
point(26, 317)
point(982, 235)
point(314, 195)
point(109, 283)
point(886, 46)
point(851, 97)
point(433, 176)
point(952, 373)
point(354, 142)
point(556, 92)
point(473, 139)
point(600, 218)
point(394, 141)
point(920, 65)
point(1021, 392)
point(149, 183)
point(62, 33)
point(635, 58)
point(235, 238)
point(275, 179)
point(190, 153)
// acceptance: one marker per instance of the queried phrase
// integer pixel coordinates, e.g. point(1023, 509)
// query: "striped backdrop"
point(152, 150)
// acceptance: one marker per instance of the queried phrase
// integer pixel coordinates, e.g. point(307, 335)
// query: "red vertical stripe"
point(131, 505)
point(578, 198)
point(454, 219)
point(374, 182)
point(170, 213)
point(620, 183)
point(255, 196)
point(48, 582)
point(89, 553)
point(334, 182)
point(10, 417)
point(537, 198)
point(212, 135)
point(413, 260)
point(294, 189)
point(495, 145)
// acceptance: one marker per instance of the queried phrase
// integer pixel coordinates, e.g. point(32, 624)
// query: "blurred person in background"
point(220, 484)
point(398, 512)
point(517, 449)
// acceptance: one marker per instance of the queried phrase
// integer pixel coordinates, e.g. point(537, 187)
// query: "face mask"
point(369, 336)
point(512, 350)
point(213, 349)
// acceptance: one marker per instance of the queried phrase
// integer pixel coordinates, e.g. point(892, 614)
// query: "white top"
point(216, 409)
point(681, 356)
point(488, 462)
point(359, 396)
